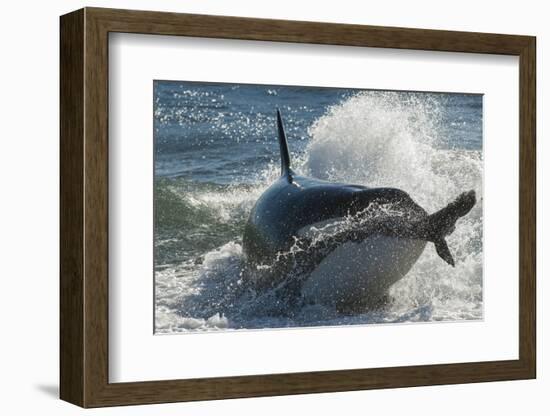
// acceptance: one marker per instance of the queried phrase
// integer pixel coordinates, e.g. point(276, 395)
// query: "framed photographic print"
point(255, 207)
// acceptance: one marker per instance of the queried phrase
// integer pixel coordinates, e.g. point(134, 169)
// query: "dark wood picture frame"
point(84, 207)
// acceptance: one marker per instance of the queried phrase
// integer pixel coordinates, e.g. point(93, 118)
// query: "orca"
point(339, 244)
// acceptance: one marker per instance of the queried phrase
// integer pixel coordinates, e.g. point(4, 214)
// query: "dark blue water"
point(224, 133)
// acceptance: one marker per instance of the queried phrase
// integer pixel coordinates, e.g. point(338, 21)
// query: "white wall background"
point(29, 85)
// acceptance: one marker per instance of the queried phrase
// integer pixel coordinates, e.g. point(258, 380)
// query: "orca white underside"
point(356, 273)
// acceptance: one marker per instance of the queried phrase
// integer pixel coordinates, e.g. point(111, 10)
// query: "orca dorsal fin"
point(283, 144)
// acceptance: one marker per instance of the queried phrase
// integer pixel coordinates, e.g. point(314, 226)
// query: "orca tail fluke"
point(442, 223)
point(283, 144)
point(443, 251)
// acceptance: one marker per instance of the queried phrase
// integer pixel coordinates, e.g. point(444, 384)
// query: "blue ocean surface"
point(216, 150)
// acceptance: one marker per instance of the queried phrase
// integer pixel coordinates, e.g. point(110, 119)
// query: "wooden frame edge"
point(72, 367)
point(528, 207)
point(84, 207)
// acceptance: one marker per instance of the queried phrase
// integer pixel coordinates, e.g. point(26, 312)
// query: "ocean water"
point(216, 150)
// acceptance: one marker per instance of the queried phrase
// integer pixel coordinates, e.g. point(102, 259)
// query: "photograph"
point(297, 206)
point(275, 205)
